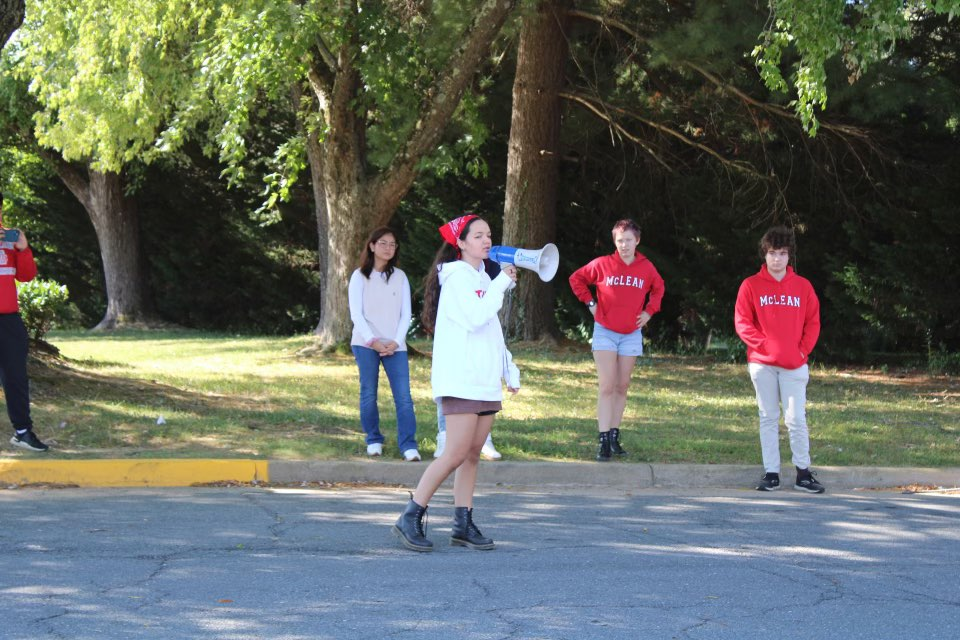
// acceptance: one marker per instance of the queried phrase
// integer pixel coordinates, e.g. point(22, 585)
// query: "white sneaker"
point(375, 449)
point(411, 455)
point(489, 452)
point(441, 443)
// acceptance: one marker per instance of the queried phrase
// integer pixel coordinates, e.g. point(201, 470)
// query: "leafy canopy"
point(108, 74)
point(804, 35)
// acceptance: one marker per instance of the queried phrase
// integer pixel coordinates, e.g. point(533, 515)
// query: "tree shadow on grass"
point(100, 415)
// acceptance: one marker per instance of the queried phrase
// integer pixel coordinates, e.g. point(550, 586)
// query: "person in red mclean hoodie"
point(16, 263)
point(629, 291)
point(777, 316)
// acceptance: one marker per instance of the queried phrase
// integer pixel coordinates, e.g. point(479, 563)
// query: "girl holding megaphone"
point(470, 360)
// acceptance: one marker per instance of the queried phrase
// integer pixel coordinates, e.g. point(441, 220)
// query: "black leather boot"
point(615, 447)
point(409, 528)
point(603, 451)
point(465, 533)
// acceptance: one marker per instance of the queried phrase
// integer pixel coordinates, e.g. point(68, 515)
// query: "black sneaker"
point(29, 441)
point(769, 482)
point(807, 482)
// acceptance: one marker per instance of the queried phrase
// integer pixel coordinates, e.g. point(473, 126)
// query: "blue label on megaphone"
point(527, 257)
point(502, 255)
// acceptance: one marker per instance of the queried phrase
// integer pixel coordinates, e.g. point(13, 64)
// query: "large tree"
point(530, 209)
point(106, 76)
point(376, 86)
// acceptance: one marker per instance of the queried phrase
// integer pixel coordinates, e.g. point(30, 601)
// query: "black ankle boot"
point(410, 528)
point(615, 447)
point(465, 533)
point(603, 451)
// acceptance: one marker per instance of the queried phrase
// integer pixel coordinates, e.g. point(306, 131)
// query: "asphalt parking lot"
point(291, 563)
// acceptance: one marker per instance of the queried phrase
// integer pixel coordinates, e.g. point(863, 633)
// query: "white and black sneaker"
point(806, 481)
point(29, 441)
point(769, 482)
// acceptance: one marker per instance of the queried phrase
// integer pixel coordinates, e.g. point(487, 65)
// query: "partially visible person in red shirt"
point(777, 316)
point(16, 264)
point(629, 291)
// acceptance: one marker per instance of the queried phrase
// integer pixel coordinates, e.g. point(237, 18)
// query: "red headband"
point(451, 230)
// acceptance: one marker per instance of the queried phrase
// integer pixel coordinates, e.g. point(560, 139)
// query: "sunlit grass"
point(254, 396)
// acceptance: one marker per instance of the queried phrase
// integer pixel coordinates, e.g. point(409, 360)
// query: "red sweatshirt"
point(14, 264)
point(621, 290)
point(778, 321)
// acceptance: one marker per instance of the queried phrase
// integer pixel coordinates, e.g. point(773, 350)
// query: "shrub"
point(42, 302)
point(944, 362)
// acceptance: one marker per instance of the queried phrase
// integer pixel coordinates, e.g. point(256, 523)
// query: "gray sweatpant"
point(777, 386)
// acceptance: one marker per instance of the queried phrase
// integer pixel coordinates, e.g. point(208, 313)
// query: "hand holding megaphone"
point(544, 262)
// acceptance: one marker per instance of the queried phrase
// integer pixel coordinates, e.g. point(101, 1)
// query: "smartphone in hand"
point(11, 235)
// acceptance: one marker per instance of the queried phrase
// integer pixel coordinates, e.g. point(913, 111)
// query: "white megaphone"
point(544, 261)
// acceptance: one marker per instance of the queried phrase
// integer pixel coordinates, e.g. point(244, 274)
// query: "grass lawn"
point(242, 396)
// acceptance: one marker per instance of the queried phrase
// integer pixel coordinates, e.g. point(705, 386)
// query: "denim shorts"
point(625, 344)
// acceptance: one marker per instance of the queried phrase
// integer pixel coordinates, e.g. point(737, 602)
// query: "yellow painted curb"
point(132, 473)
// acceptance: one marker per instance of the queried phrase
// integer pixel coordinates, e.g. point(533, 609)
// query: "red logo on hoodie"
point(480, 293)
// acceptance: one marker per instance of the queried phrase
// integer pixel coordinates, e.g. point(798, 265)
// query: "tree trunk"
point(349, 218)
point(529, 218)
point(349, 225)
point(117, 226)
point(315, 158)
point(321, 212)
point(358, 201)
point(11, 17)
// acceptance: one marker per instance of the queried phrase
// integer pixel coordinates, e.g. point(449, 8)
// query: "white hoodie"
point(469, 355)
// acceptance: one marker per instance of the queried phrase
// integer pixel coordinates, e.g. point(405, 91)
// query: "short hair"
point(626, 225)
point(778, 238)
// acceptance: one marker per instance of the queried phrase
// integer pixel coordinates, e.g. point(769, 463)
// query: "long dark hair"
point(367, 257)
point(431, 283)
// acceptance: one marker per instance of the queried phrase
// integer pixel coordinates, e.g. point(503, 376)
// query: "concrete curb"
point(187, 472)
point(614, 474)
point(131, 473)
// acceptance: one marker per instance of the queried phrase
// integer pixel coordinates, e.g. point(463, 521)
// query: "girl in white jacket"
point(469, 361)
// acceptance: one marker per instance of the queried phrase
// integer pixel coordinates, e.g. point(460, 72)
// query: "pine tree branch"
point(603, 110)
point(607, 22)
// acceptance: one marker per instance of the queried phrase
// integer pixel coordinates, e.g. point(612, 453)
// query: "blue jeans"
point(441, 420)
point(397, 368)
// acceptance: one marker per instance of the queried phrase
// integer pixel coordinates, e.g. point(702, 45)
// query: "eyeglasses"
point(387, 245)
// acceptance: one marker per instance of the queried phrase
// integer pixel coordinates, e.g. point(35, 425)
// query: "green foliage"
point(108, 74)
point(203, 237)
point(944, 362)
point(875, 203)
point(256, 50)
point(814, 33)
point(251, 52)
point(42, 304)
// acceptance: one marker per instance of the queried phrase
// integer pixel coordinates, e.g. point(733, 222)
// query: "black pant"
point(13, 369)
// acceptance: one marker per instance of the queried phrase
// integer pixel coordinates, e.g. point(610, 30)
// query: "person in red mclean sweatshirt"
point(629, 291)
point(16, 263)
point(777, 316)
